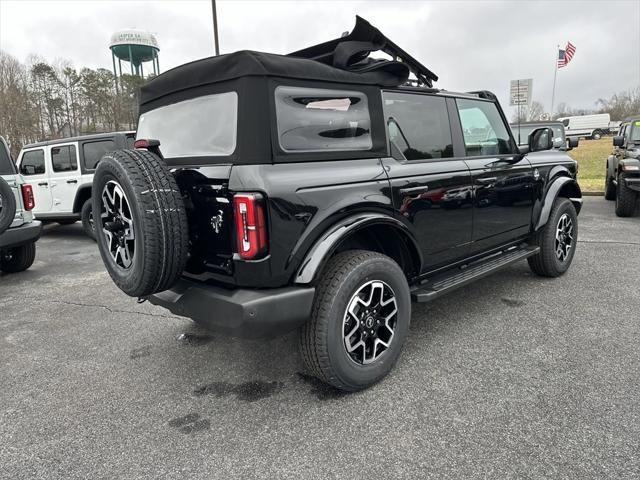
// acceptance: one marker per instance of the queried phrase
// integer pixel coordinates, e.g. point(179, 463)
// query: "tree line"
point(619, 106)
point(40, 100)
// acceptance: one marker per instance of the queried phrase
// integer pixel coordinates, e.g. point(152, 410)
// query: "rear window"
point(200, 127)
point(93, 152)
point(319, 120)
point(32, 163)
point(6, 164)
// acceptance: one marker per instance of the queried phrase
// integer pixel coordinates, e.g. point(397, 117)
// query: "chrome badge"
point(216, 221)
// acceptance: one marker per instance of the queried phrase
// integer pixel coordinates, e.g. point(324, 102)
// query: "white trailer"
point(589, 126)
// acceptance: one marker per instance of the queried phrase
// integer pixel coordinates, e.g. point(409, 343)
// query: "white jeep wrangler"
point(18, 231)
point(61, 172)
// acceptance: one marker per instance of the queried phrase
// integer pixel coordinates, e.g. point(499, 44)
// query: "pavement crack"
point(109, 309)
point(609, 241)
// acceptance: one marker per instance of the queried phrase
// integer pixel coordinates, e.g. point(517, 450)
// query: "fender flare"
point(324, 247)
point(77, 204)
point(552, 193)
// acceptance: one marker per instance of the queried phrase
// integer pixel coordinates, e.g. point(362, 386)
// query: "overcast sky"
point(470, 45)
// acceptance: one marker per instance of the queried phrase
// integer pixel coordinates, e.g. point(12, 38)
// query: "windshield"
point(6, 164)
point(200, 127)
point(525, 131)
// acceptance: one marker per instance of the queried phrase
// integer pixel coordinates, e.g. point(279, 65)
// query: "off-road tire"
point(7, 205)
point(20, 258)
point(546, 263)
point(609, 189)
point(625, 199)
point(321, 338)
point(159, 218)
point(85, 216)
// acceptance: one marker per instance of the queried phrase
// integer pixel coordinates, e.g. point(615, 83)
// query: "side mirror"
point(573, 142)
point(557, 142)
point(618, 141)
point(541, 139)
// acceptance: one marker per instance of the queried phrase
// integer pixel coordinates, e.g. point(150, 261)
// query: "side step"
point(458, 277)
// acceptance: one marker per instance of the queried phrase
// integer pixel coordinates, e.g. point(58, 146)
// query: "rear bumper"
point(248, 313)
point(632, 182)
point(27, 233)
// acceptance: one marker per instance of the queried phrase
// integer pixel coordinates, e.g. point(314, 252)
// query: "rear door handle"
point(414, 190)
point(72, 181)
point(43, 184)
point(486, 180)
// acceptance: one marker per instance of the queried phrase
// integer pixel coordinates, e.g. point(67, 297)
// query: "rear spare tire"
point(140, 222)
point(7, 205)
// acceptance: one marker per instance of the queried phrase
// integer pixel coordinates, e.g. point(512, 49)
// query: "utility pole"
point(215, 26)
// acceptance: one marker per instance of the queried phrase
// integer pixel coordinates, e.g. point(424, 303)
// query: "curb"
point(593, 194)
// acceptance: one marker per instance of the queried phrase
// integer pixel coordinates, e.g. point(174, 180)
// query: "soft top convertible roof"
point(343, 60)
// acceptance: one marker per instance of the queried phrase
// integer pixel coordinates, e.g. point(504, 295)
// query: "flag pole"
point(555, 76)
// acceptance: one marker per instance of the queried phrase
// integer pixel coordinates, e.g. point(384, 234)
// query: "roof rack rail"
point(486, 94)
point(350, 52)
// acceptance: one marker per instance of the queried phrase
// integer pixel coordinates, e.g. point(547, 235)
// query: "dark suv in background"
point(325, 190)
point(622, 181)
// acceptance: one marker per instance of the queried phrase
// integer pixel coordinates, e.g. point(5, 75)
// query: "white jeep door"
point(64, 177)
point(34, 168)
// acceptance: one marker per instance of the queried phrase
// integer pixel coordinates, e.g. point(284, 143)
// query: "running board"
point(458, 277)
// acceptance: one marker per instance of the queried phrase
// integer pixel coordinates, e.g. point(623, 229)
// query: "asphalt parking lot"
point(513, 377)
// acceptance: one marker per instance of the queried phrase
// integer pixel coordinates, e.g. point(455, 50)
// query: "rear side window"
point(199, 127)
point(32, 163)
point(6, 164)
point(320, 120)
point(484, 131)
point(64, 159)
point(93, 152)
point(418, 126)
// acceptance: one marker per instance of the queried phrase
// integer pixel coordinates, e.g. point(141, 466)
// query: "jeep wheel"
point(18, 259)
point(625, 199)
point(86, 215)
point(360, 320)
point(609, 189)
point(141, 226)
point(7, 205)
point(557, 241)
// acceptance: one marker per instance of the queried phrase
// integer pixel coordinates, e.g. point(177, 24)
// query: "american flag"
point(565, 56)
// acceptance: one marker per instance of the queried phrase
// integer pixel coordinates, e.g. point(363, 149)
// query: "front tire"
point(625, 199)
point(18, 259)
point(360, 320)
point(557, 241)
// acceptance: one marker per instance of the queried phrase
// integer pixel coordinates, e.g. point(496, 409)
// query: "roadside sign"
point(520, 92)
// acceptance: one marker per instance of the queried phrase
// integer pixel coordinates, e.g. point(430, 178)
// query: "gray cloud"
point(471, 45)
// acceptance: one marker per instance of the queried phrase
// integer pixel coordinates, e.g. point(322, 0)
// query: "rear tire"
point(141, 226)
point(7, 205)
point(609, 189)
point(625, 199)
point(18, 259)
point(554, 258)
point(596, 135)
point(336, 320)
point(86, 215)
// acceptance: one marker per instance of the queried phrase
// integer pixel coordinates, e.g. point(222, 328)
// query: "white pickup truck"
point(589, 126)
point(61, 172)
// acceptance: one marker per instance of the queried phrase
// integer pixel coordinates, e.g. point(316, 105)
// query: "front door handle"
point(72, 181)
point(414, 190)
point(486, 180)
point(43, 184)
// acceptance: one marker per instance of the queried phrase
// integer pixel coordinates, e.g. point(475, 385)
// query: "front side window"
point(63, 159)
point(319, 120)
point(32, 163)
point(93, 152)
point(634, 137)
point(200, 127)
point(483, 129)
point(418, 126)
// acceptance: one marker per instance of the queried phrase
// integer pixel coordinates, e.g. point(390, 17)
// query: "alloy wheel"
point(369, 322)
point(117, 225)
point(564, 237)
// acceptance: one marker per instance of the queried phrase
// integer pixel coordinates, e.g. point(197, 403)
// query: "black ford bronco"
point(622, 181)
point(325, 190)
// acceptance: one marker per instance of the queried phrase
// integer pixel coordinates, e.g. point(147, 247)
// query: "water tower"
point(135, 47)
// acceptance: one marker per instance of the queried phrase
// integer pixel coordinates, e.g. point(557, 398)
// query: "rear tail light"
point(251, 230)
point(27, 197)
